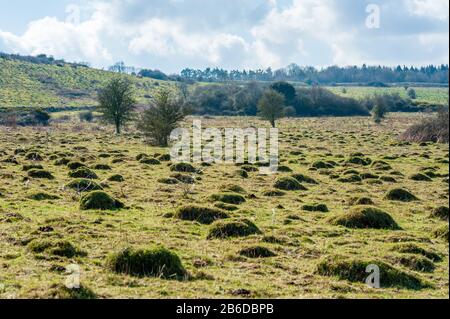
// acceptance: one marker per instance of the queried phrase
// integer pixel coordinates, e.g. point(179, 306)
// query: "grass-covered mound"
point(34, 156)
point(316, 208)
point(233, 228)
point(40, 174)
point(183, 168)
point(59, 248)
point(362, 201)
point(441, 213)
point(75, 165)
point(354, 270)
point(155, 262)
point(61, 292)
point(83, 185)
point(289, 184)
point(301, 178)
point(257, 252)
point(102, 167)
point(203, 215)
point(401, 195)
point(38, 196)
point(28, 167)
point(117, 178)
point(419, 177)
point(83, 172)
point(99, 200)
point(365, 217)
point(228, 198)
point(441, 232)
point(357, 160)
point(150, 161)
point(411, 248)
point(273, 193)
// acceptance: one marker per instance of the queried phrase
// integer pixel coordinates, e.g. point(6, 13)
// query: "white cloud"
point(437, 9)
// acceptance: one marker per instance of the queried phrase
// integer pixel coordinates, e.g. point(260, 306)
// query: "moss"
point(441, 213)
point(411, 248)
point(365, 217)
point(419, 177)
point(233, 228)
point(288, 184)
point(42, 196)
point(40, 173)
point(414, 262)
point(316, 208)
point(83, 185)
point(154, 262)
point(150, 161)
point(29, 167)
point(102, 167)
point(58, 248)
point(116, 178)
point(203, 215)
point(441, 232)
point(304, 179)
point(183, 168)
point(257, 252)
point(83, 172)
point(354, 270)
point(75, 165)
point(228, 198)
point(99, 200)
point(62, 292)
point(400, 194)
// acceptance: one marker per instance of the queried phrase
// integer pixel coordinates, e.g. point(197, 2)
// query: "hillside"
point(62, 85)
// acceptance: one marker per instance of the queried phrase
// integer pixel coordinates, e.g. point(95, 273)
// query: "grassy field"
point(309, 254)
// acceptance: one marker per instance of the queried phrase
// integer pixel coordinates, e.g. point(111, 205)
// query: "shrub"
point(203, 215)
point(365, 217)
point(288, 184)
point(257, 252)
point(316, 208)
point(154, 262)
point(228, 198)
point(83, 185)
point(185, 179)
point(99, 200)
point(354, 270)
point(83, 172)
point(40, 173)
point(429, 130)
point(400, 194)
point(441, 213)
point(234, 228)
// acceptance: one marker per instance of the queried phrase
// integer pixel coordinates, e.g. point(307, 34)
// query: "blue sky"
point(235, 34)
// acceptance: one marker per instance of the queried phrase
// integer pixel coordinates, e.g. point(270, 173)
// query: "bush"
point(354, 270)
point(83, 185)
point(228, 198)
point(40, 173)
point(235, 228)
point(203, 215)
point(401, 195)
point(288, 184)
point(365, 217)
point(83, 172)
point(154, 262)
point(98, 200)
point(257, 252)
point(429, 130)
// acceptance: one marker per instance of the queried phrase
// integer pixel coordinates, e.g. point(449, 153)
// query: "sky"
point(171, 35)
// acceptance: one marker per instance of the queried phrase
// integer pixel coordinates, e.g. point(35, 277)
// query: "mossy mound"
point(304, 179)
point(102, 167)
point(228, 198)
point(322, 165)
point(168, 181)
point(83, 172)
point(29, 167)
point(363, 217)
point(154, 262)
point(441, 232)
point(289, 184)
point(183, 178)
point(316, 208)
point(40, 173)
point(381, 166)
point(249, 168)
point(284, 169)
point(257, 252)
point(227, 207)
point(203, 215)
point(57, 248)
point(242, 173)
point(62, 161)
point(116, 178)
point(350, 179)
point(419, 177)
point(388, 179)
point(164, 158)
point(235, 189)
point(354, 270)
point(150, 161)
point(411, 248)
point(61, 292)
point(357, 160)
point(42, 196)
point(273, 193)
point(369, 176)
point(362, 201)
point(34, 156)
point(83, 185)
point(233, 228)
point(441, 213)
point(75, 165)
point(98, 200)
point(183, 168)
point(401, 195)
point(414, 262)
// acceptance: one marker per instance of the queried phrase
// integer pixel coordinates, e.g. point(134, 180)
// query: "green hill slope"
point(28, 84)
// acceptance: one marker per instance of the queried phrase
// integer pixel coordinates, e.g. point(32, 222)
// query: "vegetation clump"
point(257, 252)
point(316, 208)
point(116, 178)
point(233, 228)
point(414, 262)
point(289, 184)
point(34, 156)
point(419, 177)
point(359, 161)
point(183, 168)
point(98, 200)
point(75, 165)
point(83, 185)
point(362, 201)
point(304, 179)
point(228, 198)
point(150, 161)
point(401, 195)
point(83, 172)
point(441, 213)
point(203, 215)
point(55, 248)
point(441, 232)
point(411, 248)
point(365, 217)
point(154, 262)
point(273, 193)
point(29, 167)
point(102, 167)
point(42, 196)
point(430, 130)
point(40, 173)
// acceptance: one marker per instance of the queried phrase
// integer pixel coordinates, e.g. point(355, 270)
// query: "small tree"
point(412, 94)
point(117, 102)
point(380, 109)
point(271, 106)
point(161, 119)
